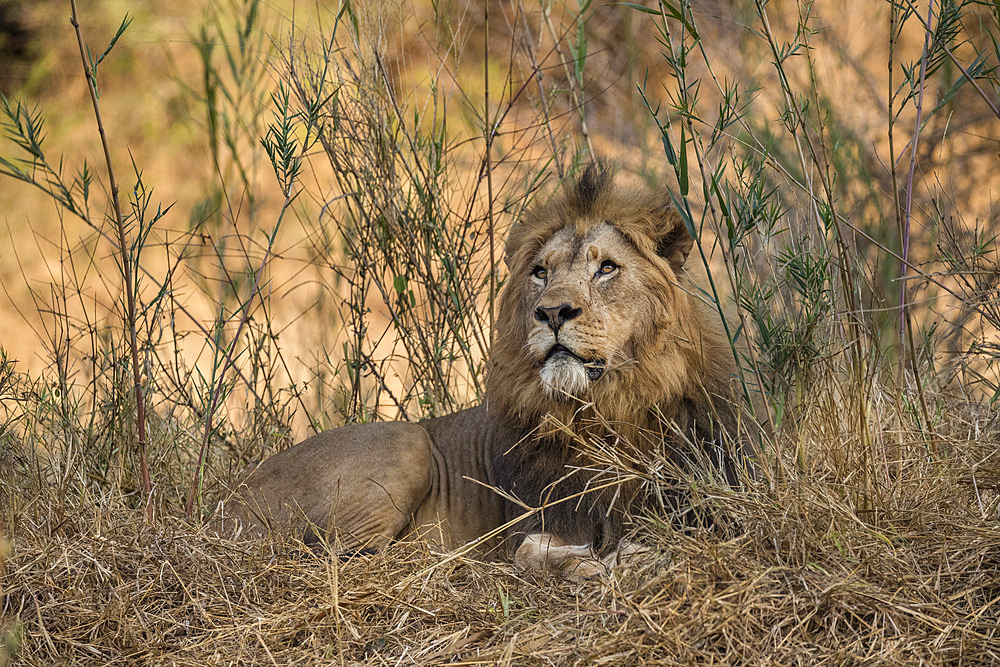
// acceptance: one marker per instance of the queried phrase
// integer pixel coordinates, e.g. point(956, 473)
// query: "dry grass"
point(823, 567)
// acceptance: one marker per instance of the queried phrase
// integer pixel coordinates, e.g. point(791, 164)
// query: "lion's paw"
point(545, 552)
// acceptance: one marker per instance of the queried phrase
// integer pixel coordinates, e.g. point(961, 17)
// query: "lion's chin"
point(566, 376)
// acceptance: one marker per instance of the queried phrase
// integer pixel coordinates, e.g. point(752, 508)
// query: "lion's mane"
point(683, 365)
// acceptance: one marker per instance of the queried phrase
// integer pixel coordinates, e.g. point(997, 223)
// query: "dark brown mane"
point(594, 183)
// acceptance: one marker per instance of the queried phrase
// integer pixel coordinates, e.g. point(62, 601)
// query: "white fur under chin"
point(564, 375)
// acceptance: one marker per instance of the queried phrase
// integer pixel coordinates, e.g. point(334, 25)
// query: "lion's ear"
point(515, 241)
point(676, 242)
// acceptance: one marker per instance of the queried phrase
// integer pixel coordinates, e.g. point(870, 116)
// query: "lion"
point(600, 338)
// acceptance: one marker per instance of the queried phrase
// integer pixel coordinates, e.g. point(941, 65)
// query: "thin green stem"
point(130, 307)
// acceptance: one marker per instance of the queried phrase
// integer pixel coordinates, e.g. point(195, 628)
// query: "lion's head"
point(598, 314)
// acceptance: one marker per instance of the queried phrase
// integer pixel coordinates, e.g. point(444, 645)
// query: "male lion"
point(600, 340)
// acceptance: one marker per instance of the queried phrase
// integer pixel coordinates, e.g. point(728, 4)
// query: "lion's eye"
point(607, 267)
point(539, 272)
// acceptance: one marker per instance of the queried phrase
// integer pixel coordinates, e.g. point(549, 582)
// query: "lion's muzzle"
point(566, 374)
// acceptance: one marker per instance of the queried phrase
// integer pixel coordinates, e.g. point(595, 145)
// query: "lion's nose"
point(556, 316)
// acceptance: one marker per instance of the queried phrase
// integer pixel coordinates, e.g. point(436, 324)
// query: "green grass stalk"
point(89, 68)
